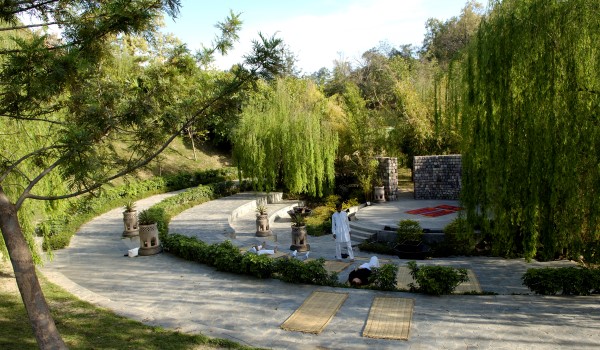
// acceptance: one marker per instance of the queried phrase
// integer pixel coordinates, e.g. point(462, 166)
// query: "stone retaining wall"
point(437, 177)
point(388, 172)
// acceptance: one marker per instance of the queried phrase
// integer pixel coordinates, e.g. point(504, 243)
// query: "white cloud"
point(318, 40)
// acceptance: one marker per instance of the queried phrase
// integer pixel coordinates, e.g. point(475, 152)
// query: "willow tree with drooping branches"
point(531, 128)
point(285, 138)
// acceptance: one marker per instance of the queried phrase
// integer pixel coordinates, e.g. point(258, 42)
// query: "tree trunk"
point(44, 329)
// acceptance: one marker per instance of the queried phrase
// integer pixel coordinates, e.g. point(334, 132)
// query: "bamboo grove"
point(530, 128)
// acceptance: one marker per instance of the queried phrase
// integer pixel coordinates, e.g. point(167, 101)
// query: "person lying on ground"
point(360, 276)
point(258, 249)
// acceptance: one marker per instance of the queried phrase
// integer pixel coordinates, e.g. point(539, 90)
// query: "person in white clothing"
point(360, 276)
point(258, 249)
point(340, 228)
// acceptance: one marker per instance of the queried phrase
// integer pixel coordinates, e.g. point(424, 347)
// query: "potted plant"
point(130, 220)
point(378, 190)
point(262, 222)
point(410, 241)
point(299, 236)
point(148, 231)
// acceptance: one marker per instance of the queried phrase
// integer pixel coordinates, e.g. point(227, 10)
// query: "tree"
point(285, 138)
point(444, 40)
point(68, 93)
point(531, 101)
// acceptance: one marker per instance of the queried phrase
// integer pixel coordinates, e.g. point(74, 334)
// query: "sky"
point(318, 32)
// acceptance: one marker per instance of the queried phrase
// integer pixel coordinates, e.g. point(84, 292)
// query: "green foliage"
point(384, 277)
point(298, 220)
point(155, 215)
point(319, 221)
point(260, 266)
point(261, 210)
point(530, 131)
point(284, 139)
point(228, 258)
point(567, 280)
point(311, 272)
point(459, 237)
point(409, 230)
point(188, 248)
point(377, 247)
point(129, 206)
point(436, 280)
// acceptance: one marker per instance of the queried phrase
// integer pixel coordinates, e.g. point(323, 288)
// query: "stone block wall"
point(388, 172)
point(437, 177)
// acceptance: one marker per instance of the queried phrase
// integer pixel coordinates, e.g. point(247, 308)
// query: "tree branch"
point(139, 164)
point(34, 182)
point(33, 6)
point(29, 26)
point(25, 157)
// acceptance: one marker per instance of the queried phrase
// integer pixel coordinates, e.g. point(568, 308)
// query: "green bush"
point(384, 277)
point(435, 280)
point(377, 247)
point(459, 238)
point(228, 257)
point(311, 272)
point(409, 230)
point(567, 280)
point(260, 266)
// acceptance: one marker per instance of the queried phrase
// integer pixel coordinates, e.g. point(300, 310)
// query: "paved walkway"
point(170, 292)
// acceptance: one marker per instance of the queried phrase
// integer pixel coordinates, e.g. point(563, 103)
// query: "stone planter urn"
point(149, 242)
point(262, 225)
point(299, 235)
point(378, 194)
point(262, 222)
point(131, 223)
point(130, 220)
point(299, 239)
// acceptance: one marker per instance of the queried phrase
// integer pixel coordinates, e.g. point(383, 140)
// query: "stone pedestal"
point(299, 239)
point(130, 220)
point(388, 173)
point(149, 243)
point(262, 225)
point(378, 194)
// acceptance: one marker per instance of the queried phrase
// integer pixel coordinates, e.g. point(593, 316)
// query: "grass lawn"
point(84, 326)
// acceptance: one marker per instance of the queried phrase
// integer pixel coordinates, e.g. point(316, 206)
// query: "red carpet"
point(436, 211)
point(421, 211)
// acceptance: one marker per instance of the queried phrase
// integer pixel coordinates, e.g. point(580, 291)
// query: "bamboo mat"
point(472, 285)
point(403, 278)
point(315, 312)
point(389, 318)
point(333, 265)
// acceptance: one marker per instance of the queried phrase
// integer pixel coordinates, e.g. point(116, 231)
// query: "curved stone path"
point(170, 292)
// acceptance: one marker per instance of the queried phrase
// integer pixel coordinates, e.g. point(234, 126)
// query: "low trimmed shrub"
point(228, 258)
point(311, 272)
point(260, 266)
point(566, 280)
point(377, 247)
point(384, 277)
point(436, 280)
point(409, 230)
